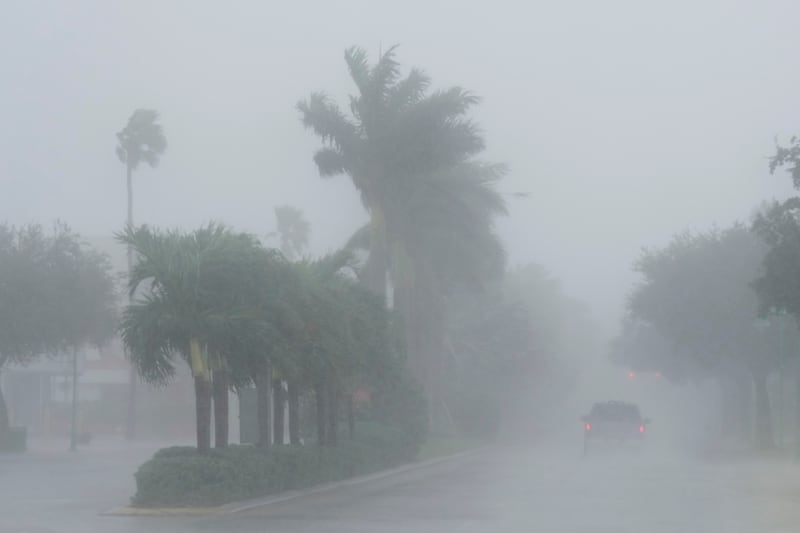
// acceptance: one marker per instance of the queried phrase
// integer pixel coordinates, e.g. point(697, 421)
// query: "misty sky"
point(626, 121)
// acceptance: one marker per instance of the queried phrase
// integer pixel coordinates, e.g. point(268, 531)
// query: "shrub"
point(182, 477)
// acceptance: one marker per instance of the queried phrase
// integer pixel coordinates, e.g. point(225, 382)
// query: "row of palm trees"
point(240, 314)
point(412, 155)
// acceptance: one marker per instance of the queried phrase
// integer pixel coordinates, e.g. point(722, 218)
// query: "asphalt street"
point(525, 489)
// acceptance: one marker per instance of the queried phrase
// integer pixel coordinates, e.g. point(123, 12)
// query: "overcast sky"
point(625, 121)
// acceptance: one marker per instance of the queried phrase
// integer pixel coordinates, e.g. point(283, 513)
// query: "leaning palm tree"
point(397, 135)
point(141, 140)
point(189, 297)
point(410, 154)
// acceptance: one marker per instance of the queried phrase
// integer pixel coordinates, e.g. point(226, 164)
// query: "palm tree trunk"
point(319, 396)
point(221, 409)
point(377, 266)
point(279, 403)
point(294, 413)
point(351, 417)
point(202, 395)
point(130, 425)
point(264, 408)
point(5, 428)
point(764, 436)
point(333, 414)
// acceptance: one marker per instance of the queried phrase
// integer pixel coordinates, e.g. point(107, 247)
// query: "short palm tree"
point(189, 300)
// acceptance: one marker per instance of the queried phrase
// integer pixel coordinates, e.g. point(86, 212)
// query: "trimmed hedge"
point(182, 477)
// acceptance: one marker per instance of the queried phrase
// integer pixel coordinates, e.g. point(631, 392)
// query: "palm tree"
point(293, 230)
point(190, 301)
point(410, 154)
point(398, 134)
point(141, 140)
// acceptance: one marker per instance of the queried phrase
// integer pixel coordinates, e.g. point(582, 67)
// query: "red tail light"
point(588, 427)
point(641, 429)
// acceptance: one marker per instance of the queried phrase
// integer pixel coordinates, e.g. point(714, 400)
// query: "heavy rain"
point(377, 267)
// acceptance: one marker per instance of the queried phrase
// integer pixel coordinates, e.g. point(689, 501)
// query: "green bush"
point(182, 477)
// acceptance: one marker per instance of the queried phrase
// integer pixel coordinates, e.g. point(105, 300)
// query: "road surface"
point(498, 490)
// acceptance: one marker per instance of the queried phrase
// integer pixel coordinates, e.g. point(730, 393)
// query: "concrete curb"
point(247, 505)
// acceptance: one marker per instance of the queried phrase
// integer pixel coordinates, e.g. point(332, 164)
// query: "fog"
point(625, 122)
point(622, 123)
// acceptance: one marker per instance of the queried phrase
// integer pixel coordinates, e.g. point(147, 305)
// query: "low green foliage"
point(183, 477)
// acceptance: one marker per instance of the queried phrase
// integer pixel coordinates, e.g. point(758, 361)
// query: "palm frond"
point(358, 65)
point(330, 162)
point(327, 121)
point(360, 240)
point(385, 73)
point(142, 139)
point(409, 90)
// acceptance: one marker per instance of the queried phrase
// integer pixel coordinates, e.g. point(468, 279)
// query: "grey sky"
point(626, 121)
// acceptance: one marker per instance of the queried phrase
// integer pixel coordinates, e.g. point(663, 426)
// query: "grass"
point(442, 445)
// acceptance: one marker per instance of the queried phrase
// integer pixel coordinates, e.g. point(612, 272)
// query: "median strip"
point(247, 505)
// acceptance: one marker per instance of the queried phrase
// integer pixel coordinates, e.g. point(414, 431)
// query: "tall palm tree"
point(397, 134)
point(410, 154)
point(141, 140)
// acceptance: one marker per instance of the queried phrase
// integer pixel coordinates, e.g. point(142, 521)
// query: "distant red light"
point(588, 427)
point(631, 374)
point(658, 374)
point(641, 429)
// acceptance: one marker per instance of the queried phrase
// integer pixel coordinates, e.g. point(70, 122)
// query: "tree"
point(55, 294)
point(142, 140)
point(788, 157)
point(191, 302)
point(514, 346)
point(410, 154)
point(293, 230)
point(697, 293)
point(778, 286)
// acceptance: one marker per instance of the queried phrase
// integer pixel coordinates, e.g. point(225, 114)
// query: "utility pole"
point(73, 438)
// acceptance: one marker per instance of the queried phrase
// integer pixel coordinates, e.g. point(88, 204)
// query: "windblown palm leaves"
point(410, 153)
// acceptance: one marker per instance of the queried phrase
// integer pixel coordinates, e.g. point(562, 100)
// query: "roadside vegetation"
point(724, 305)
point(416, 326)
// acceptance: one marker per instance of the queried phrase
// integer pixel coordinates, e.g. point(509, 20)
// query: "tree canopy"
point(55, 294)
point(411, 153)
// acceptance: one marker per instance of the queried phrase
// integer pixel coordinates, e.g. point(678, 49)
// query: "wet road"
point(502, 489)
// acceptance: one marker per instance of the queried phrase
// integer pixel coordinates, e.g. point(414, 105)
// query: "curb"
point(163, 511)
point(247, 505)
